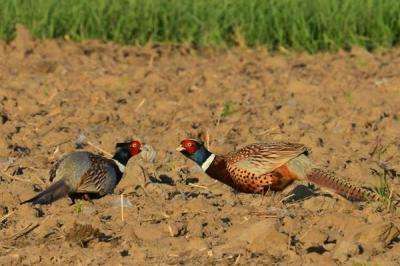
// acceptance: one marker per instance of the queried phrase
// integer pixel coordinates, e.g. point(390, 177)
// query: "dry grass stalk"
point(26, 230)
point(10, 177)
point(140, 105)
point(207, 138)
point(122, 207)
point(171, 233)
point(99, 149)
point(198, 186)
point(2, 219)
point(237, 259)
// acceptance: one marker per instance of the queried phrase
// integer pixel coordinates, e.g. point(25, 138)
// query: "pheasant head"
point(196, 151)
point(124, 151)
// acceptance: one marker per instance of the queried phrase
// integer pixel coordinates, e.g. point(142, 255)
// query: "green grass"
point(310, 25)
point(385, 192)
point(381, 157)
point(228, 109)
point(78, 208)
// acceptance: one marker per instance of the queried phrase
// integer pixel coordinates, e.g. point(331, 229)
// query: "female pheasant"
point(257, 168)
point(86, 175)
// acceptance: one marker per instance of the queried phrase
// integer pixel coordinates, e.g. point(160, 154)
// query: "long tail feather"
point(341, 186)
point(56, 191)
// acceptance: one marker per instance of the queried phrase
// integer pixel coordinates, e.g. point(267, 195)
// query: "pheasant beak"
point(180, 148)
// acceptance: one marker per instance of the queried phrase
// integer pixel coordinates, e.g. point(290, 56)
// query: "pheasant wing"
point(100, 178)
point(262, 158)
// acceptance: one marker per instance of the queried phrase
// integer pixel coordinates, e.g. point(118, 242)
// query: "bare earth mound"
point(344, 106)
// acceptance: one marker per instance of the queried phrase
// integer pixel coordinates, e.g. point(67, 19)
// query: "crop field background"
point(310, 25)
point(323, 73)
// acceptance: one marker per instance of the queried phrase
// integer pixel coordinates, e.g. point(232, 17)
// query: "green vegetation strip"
point(310, 25)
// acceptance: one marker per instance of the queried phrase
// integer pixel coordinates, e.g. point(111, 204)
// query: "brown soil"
point(345, 106)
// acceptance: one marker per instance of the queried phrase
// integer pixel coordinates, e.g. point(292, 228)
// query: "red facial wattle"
point(190, 146)
point(135, 147)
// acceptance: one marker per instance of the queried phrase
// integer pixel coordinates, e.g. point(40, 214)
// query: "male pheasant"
point(86, 175)
point(257, 168)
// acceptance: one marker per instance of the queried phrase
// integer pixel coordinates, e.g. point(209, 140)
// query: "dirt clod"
point(82, 234)
point(56, 93)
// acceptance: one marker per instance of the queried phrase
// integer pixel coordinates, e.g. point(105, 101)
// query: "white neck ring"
point(121, 167)
point(208, 162)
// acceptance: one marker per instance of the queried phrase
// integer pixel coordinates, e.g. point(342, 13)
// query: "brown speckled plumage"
point(341, 186)
point(257, 168)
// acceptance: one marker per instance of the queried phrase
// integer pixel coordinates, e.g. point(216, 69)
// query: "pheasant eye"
point(135, 145)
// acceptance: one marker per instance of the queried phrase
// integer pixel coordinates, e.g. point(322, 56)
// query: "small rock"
point(18, 171)
point(337, 129)
point(197, 243)
point(178, 229)
point(3, 117)
point(304, 126)
point(319, 203)
point(98, 117)
point(80, 141)
point(3, 210)
point(38, 212)
point(261, 233)
point(345, 250)
point(391, 253)
point(313, 238)
point(45, 66)
point(124, 253)
point(195, 227)
point(82, 234)
point(320, 142)
point(226, 221)
point(126, 203)
point(329, 246)
point(4, 162)
point(148, 153)
point(31, 260)
point(279, 240)
point(292, 103)
point(105, 218)
point(36, 188)
point(12, 259)
point(139, 256)
point(20, 150)
point(290, 225)
point(375, 237)
point(317, 259)
point(122, 101)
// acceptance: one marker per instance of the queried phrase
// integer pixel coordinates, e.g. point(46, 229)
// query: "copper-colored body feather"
point(341, 186)
point(259, 167)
